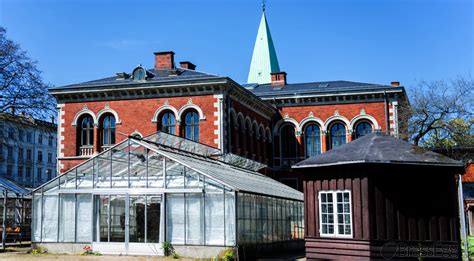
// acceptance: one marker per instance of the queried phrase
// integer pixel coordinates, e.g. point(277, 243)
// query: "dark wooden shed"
point(380, 197)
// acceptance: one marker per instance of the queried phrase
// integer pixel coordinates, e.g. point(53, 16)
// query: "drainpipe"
point(462, 218)
point(386, 111)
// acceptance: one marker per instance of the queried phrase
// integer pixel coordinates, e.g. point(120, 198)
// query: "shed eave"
point(379, 162)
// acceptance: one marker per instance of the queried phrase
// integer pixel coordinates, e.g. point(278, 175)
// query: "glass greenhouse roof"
point(140, 162)
point(12, 189)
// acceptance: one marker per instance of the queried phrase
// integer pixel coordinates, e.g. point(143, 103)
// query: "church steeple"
point(264, 58)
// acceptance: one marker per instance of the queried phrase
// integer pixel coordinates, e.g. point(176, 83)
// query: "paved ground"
point(22, 253)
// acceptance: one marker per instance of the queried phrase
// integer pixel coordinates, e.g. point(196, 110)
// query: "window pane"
point(175, 218)
point(214, 219)
point(117, 218)
point(50, 218)
point(137, 219)
point(67, 221)
point(194, 219)
point(153, 219)
point(84, 218)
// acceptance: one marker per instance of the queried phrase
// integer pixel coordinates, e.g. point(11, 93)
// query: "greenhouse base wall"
point(199, 251)
point(70, 248)
point(272, 250)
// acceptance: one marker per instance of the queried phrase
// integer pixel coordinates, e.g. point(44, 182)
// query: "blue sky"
point(374, 41)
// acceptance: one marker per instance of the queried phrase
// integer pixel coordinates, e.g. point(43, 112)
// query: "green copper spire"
point(264, 58)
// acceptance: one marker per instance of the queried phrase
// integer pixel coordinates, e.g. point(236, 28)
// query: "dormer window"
point(139, 74)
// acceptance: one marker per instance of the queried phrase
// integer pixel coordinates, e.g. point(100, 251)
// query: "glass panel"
point(174, 174)
point(138, 164)
point(102, 170)
point(84, 218)
point(214, 218)
point(85, 175)
point(194, 219)
point(67, 180)
point(155, 170)
point(67, 218)
point(37, 207)
point(50, 218)
point(153, 209)
point(103, 215)
point(229, 218)
point(120, 166)
point(175, 218)
point(117, 218)
point(137, 219)
point(192, 179)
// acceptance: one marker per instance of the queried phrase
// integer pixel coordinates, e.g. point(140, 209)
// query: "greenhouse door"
point(127, 224)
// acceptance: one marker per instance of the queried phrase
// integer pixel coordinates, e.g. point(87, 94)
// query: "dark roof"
point(378, 148)
point(317, 87)
point(27, 120)
point(179, 74)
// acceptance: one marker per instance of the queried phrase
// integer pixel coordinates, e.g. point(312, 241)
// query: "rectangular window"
point(28, 172)
point(38, 175)
point(21, 134)
point(40, 156)
point(50, 174)
point(20, 171)
point(10, 152)
point(28, 154)
point(29, 137)
point(50, 141)
point(40, 139)
point(50, 157)
point(9, 170)
point(20, 154)
point(11, 133)
point(335, 213)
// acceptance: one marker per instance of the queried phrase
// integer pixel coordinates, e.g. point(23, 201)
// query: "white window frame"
point(335, 231)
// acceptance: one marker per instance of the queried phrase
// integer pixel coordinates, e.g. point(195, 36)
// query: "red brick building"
point(274, 122)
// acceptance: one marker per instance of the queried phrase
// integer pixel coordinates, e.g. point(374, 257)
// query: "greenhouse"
point(144, 191)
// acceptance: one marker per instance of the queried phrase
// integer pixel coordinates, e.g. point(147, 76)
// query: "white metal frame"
point(334, 203)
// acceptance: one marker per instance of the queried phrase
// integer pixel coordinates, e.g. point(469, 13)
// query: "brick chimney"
point(395, 84)
point(187, 65)
point(164, 60)
point(278, 78)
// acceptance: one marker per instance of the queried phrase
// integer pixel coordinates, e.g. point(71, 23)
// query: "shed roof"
point(378, 147)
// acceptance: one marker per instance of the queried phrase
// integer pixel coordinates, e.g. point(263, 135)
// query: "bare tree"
point(441, 113)
point(22, 89)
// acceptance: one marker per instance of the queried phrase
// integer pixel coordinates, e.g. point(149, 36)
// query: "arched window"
point(361, 129)
point(337, 135)
point(233, 138)
point(86, 131)
point(191, 125)
point(167, 122)
point(288, 142)
point(85, 136)
point(240, 136)
point(263, 151)
point(312, 135)
point(248, 138)
point(108, 130)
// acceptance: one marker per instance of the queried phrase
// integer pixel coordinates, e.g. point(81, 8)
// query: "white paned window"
point(335, 213)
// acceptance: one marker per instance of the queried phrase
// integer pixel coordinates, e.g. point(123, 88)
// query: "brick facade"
point(231, 117)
